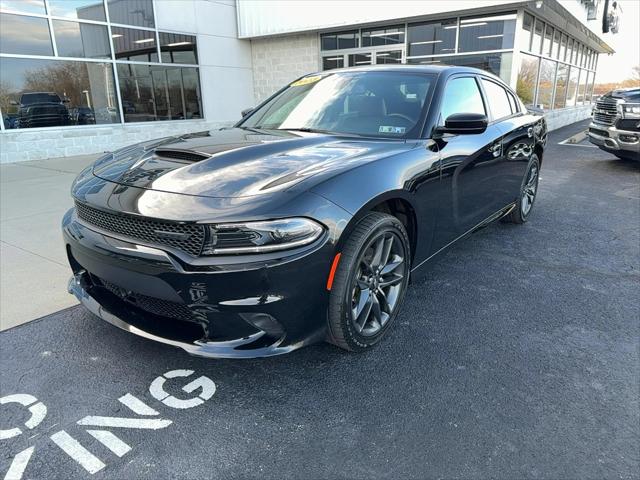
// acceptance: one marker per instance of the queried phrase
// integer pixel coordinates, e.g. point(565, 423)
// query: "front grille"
point(187, 237)
point(155, 306)
point(184, 155)
point(605, 111)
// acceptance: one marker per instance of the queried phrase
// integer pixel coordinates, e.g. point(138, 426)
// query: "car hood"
point(628, 95)
point(238, 162)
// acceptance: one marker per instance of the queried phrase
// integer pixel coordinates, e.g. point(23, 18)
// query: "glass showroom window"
point(157, 92)
point(393, 57)
point(85, 40)
point(134, 45)
point(359, 59)
point(487, 33)
point(78, 9)
point(556, 44)
point(536, 44)
point(497, 63)
point(20, 6)
point(546, 80)
point(374, 37)
point(561, 85)
point(335, 61)
point(131, 12)
point(178, 48)
point(432, 38)
point(548, 41)
point(53, 93)
point(582, 87)
point(339, 40)
point(572, 86)
point(24, 35)
point(527, 78)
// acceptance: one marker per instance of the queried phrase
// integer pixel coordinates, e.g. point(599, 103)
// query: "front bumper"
point(614, 140)
point(241, 311)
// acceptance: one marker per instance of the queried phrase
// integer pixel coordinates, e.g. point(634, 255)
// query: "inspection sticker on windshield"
point(390, 129)
point(306, 81)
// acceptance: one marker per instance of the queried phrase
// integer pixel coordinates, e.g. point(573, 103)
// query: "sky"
point(626, 43)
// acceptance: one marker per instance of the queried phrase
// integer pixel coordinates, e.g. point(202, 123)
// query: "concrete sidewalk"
point(34, 271)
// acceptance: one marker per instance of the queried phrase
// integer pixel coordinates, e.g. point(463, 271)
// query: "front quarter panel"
point(411, 176)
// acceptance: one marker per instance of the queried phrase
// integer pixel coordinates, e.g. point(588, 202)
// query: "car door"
point(470, 163)
point(517, 143)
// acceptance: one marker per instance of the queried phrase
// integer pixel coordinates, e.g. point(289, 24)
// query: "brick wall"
point(22, 145)
point(279, 60)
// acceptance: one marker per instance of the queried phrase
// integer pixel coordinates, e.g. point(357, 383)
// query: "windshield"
point(29, 98)
point(381, 104)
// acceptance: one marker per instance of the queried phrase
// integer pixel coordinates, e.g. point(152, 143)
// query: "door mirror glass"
point(464, 123)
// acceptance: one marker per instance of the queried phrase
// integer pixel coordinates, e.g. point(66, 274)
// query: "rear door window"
point(497, 100)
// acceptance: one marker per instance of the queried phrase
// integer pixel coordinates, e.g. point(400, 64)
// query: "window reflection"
point(24, 35)
point(335, 61)
point(432, 38)
point(339, 40)
point(135, 45)
point(178, 48)
point(78, 9)
point(572, 86)
point(561, 85)
point(359, 59)
point(383, 36)
point(47, 93)
point(497, 63)
point(75, 39)
point(389, 58)
point(527, 76)
point(23, 6)
point(545, 83)
point(155, 92)
point(487, 33)
point(131, 12)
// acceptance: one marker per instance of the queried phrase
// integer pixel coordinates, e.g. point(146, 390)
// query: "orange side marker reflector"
point(332, 273)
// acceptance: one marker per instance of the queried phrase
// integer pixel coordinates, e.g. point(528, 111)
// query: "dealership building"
point(84, 76)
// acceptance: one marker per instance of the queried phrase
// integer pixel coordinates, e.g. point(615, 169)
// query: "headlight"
point(629, 110)
point(260, 237)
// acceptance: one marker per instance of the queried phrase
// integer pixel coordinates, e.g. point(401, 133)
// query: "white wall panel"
point(226, 92)
point(175, 15)
point(216, 18)
point(224, 51)
point(270, 17)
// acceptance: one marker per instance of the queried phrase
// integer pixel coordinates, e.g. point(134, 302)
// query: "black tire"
point(358, 288)
point(528, 193)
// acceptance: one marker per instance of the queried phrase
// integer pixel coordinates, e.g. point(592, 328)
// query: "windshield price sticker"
point(306, 81)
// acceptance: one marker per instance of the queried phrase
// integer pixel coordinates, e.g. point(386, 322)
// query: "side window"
point(515, 108)
point(461, 95)
point(497, 99)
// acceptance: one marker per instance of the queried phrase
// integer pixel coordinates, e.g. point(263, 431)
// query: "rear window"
point(497, 99)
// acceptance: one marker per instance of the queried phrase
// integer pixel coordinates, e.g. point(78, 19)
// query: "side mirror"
point(246, 112)
point(13, 102)
point(464, 123)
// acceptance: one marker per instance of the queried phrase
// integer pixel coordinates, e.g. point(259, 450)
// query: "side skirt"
point(418, 270)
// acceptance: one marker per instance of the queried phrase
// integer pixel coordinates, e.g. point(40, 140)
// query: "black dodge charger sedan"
point(306, 220)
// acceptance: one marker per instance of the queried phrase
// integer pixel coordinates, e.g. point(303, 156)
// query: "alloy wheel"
point(529, 190)
point(377, 283)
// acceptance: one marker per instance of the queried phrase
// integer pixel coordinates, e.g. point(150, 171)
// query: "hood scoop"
point(180, 155)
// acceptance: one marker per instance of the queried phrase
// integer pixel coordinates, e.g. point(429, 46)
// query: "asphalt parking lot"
point(516, 357)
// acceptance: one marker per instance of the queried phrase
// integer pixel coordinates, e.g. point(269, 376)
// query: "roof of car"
point(433, 69)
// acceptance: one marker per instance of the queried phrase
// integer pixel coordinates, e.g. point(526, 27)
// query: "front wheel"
point(369, 283)
point(528, 192)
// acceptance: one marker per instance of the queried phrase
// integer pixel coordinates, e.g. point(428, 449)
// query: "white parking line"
point(71, 447)
point(20, 461)
point(122, 422)
point(110, 441)
point(136, 405)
